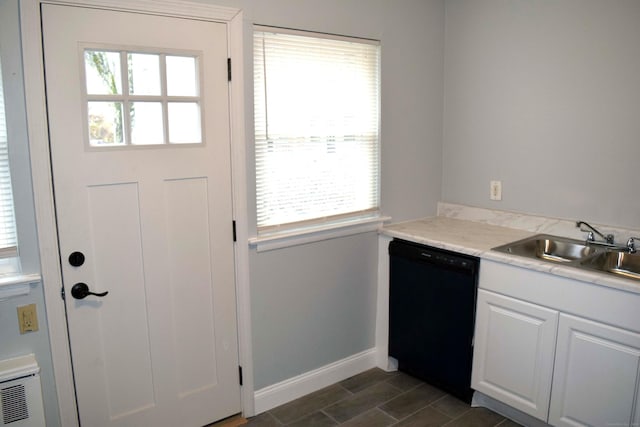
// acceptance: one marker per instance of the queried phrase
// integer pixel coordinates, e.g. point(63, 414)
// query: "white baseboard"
point(293, 388)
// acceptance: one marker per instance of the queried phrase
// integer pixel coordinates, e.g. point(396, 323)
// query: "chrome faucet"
point(590, 237)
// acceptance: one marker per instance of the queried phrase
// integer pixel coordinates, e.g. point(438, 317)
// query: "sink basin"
point(550, 248)
point(623, 264)
point(577, 254)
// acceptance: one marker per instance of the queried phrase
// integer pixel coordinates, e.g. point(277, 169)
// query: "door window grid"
point(158, 102)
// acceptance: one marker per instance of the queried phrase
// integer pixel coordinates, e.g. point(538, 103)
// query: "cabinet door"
point(514, 350)
point(595, 379)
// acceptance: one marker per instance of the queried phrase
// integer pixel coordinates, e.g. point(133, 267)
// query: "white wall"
point(545, 96)
point(315, 304)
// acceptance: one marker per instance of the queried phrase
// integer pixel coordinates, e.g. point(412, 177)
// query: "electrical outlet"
point(27, 318)
point(495, 192)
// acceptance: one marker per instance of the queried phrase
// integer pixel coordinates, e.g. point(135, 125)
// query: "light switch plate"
point(495, 192)
point(28, 318)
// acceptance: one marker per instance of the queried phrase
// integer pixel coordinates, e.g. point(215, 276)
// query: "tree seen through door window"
point(141, 98)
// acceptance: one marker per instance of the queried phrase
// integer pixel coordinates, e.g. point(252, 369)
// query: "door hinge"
point(229, 69)
point(235, 237)
point(240, 374)
point(62, 292)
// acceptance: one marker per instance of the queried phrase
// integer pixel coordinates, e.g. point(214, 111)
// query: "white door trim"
point(43, 185)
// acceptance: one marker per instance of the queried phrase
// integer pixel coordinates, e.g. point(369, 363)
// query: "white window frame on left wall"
point(42, 183)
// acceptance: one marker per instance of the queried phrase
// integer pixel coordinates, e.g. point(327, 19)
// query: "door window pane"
point(144, 74)
point(182, 78)
point(105, 123)
point(146, 123)
point(184, 123)
point(142, 98)
point(102, 71)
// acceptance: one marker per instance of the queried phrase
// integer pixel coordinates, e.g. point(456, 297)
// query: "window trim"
point(277, 236)
point(305, 33)
point(285, 238)
point(17, 285)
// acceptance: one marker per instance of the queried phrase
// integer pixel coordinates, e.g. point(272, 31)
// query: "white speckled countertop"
point(473, 231)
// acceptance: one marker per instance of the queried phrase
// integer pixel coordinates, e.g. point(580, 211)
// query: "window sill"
point(18, 284)
point(285, 239)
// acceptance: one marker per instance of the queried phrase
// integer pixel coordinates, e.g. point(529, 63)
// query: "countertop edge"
point(423, 237)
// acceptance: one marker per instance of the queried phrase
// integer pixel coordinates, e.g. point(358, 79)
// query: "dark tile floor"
point(376, 399)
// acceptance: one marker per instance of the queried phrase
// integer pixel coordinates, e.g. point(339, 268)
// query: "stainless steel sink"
point(620, 263)
point(550, 248)
point(578, 254)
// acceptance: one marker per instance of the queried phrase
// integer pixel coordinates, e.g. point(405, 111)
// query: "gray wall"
point(312, 305)
point(315, 304)
point(545, 96)
point(13, 344)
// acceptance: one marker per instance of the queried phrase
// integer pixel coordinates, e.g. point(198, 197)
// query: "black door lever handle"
point(81, 291)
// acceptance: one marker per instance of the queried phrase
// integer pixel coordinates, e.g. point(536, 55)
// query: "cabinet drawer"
point(589, 300)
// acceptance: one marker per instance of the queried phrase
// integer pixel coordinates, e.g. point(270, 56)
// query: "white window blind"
point(8, 240)
point(316, 106)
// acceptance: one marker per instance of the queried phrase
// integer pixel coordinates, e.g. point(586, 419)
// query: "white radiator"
point(20, 393)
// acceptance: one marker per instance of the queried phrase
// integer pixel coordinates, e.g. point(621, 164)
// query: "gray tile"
point(366, 379)
point(361, 402)
point(404, 381)
point(451, 406)
point(509, 423)
point(411, 401)
point(317, 419)
point(263, 420)
point(372, 418)
point(309, 404)
point(427, 417)
point(477, 417)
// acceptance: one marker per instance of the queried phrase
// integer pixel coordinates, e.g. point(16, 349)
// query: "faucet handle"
point(631, 244)
point(609, 238)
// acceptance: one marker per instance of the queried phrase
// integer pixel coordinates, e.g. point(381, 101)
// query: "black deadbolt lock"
point(76, 259)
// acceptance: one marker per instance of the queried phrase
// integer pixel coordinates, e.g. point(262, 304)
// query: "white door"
point(596, 378)
point(513, 354)
point(139, 129)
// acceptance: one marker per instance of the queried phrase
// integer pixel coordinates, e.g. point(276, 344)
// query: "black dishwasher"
point(432, 300)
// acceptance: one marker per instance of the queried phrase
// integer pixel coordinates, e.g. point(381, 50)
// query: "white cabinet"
point(596, 377)
point(587, 375)
point(514, 350)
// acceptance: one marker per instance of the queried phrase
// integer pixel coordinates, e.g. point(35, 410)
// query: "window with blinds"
point(8, 239)
point(316, 107)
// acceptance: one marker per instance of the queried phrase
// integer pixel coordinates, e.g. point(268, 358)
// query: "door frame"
point(38, 136)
